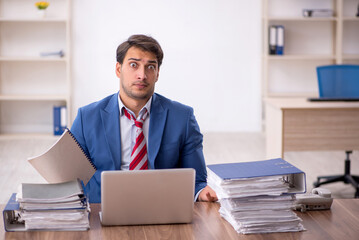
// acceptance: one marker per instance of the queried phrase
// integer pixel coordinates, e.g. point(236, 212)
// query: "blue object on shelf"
point(338, 81)
point(60, 122)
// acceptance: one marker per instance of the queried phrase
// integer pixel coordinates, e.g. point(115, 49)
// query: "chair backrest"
point(338, 81)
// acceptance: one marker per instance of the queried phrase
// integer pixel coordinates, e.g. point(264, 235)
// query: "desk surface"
point(341, 222)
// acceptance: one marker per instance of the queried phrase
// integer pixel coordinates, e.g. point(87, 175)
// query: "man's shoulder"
point(101, 104)
point(171, 104)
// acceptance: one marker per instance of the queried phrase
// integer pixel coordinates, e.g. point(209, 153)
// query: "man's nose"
point(141, 73)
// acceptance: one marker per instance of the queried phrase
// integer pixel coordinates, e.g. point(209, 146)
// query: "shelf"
point(31, 84)
point(32, 59)
point(300, 57)
point(33, 98)
point(351, 19)
point(292, 95)
point(33, 20)
point(302, 19)
point(309, 42)
point(351, 57)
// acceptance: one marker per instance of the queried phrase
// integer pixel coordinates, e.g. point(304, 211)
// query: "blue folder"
point(272, 167)
point(10, 216)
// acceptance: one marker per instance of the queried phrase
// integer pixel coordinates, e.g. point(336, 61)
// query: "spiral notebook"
point(64, 161)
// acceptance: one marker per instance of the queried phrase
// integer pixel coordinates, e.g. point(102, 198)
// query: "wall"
point(212, 55)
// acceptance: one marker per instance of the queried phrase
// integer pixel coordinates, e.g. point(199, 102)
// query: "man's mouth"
point(140, 85)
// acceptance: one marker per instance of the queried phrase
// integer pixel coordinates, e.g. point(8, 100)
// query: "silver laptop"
point(147, 196)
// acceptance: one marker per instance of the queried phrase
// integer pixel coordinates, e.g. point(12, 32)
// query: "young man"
point(137, 128)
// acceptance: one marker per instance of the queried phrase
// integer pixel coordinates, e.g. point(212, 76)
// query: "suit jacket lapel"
point(111, 123)
point(157, 123)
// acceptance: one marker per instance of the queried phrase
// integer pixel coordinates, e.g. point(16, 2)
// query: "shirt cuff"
point(196, 197)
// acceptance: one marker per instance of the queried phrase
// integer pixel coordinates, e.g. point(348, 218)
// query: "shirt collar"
point(121, 106)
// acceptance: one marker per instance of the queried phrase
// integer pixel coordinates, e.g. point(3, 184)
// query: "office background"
point(212, 62)
point(212, 55)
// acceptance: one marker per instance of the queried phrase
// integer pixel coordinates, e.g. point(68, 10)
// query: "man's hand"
point(207, 195)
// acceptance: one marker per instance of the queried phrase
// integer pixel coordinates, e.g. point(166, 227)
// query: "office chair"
point(339, 82)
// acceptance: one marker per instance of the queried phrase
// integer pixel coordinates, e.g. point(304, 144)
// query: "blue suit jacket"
point(174, 139)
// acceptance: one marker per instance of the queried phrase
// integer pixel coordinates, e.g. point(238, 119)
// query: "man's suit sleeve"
point(192, 152)
point(77, 131)
point(92, 189)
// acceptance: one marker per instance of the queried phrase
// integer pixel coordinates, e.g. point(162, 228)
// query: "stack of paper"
point(61, 206)
point(246, 187)
point(256, 197)
point(64, 161)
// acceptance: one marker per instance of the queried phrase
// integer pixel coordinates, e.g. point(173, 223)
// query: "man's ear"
point(158, 74)
point(118, 69)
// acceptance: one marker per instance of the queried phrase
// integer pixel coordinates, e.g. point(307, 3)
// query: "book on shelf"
point(60, 119)
point(276, 40)
point(51, 207)
point(318, 13)
point(53, 54)
point(272, 39)
point(279, 50)
point(64, 161)
point(257, 197)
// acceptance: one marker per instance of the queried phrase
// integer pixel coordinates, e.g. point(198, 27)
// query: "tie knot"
point(138, 123)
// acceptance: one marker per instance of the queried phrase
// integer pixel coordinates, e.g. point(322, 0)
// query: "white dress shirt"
point(128, 132)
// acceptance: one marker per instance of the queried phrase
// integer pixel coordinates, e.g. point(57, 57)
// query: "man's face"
point(138, 74)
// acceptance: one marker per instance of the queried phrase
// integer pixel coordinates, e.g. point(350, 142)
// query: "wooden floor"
point(218, 148)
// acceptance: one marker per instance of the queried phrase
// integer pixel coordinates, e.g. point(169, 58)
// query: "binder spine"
point(78, 144)
point(280, 40)
point(60, 122)
point(272, 39)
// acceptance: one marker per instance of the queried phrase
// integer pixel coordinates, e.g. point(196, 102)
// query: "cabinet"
point(30, 84)
point(309, 42)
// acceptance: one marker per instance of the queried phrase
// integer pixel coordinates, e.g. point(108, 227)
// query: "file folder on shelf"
point(280, 40)
point(60, 122)
point(272, 39)
point(276, 40)
point(228, 172)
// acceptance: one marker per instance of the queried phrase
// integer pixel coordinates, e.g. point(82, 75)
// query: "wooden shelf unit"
point(30, 84)
point(308, 42)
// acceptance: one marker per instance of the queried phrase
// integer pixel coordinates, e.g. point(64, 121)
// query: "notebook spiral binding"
point(78, 144)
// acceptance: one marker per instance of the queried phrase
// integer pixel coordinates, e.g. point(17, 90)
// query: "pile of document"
point(60, 207)
point(254, 204)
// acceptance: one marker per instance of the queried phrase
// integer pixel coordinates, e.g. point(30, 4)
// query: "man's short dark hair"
point(143, 42)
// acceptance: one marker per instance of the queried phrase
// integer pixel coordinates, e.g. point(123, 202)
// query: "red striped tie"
point(139, 159)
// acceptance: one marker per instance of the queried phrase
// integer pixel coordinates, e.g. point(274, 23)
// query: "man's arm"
point(192, 156)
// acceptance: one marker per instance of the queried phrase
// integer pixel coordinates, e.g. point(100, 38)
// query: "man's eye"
point(133, 65)
point(151, 67)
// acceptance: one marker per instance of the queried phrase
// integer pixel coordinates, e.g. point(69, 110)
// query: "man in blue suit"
point(108, 130)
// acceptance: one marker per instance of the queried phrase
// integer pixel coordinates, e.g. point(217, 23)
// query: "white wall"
point(212, 54)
